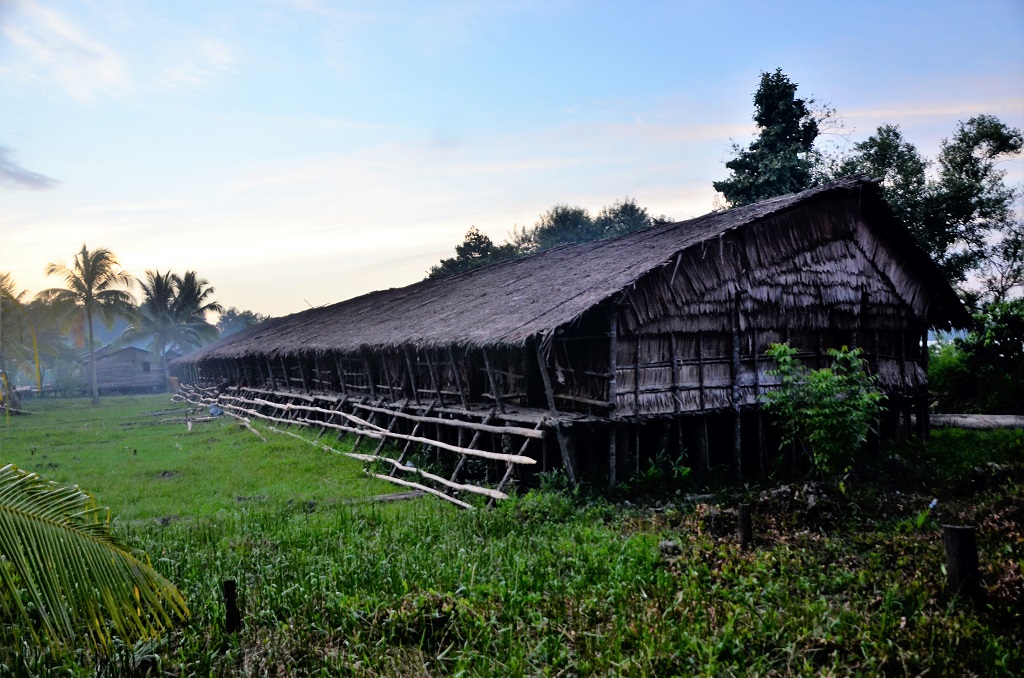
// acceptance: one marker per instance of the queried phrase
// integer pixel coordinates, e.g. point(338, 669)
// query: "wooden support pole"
point(287, 374)
point(412, 376)
point(636, 381)
point(613, 388)
point(270, 371)
point(563, 441)
point(424, 488)
point(434, 381)
point(386, 372)
point(493, 381)
point(384, 439)
point(370, 380)
point(613, 456)
point(472, 444)
point(762, 454)
point(457, 377)
point(565, 445)
point(233, 622)
point(302, 373)
point(923, 421)
point(744, 526)
point(415, 429)
point(962, 576)
point(737, 434)
point(341, 374)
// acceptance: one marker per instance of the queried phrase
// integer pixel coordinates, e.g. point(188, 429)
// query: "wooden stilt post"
point(302, 374)
point(287, 375)
point(563, 442)
point(744, 526)
point(612, 454)
point(737, 435)
point(923, 422)
point(493, 381)
point(457, 377)
point(613, 394)
point(386, 372)
point(233, 621)
point(370, 379)
point(961, 560)
point(342, 379)
point(472, 443)
point(412, 376)
point(415, 429)
point(434, 381)
point(703, 460)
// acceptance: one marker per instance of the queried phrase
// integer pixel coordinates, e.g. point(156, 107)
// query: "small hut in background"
point(592, 357)
point(127, 369)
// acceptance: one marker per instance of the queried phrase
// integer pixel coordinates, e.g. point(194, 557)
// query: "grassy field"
point(548, 583)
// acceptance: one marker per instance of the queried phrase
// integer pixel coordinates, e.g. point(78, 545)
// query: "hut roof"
point(510, 302)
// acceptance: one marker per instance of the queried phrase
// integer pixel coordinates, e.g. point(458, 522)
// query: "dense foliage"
point(829, 411)
point(233, 320)
point(560, 225)
point(962, 214)
point(781, 160)
point(173, 314)
point(984, 371)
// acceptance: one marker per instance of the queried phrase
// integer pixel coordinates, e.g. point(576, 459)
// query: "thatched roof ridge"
point(510, 302)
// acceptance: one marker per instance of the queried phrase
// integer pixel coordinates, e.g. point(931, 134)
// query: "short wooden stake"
point(744, 526)
point(233, 622)
point(961, 559)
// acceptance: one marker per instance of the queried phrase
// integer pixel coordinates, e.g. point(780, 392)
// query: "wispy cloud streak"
point(13, 175)
point(48, 49)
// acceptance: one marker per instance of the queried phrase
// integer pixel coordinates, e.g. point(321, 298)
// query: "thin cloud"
point(47, 48)
point(206, 60)
point(942, 109)
point(13, 175)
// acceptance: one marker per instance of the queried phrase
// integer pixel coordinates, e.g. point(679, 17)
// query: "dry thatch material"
point(591, 343)
point(509, 303)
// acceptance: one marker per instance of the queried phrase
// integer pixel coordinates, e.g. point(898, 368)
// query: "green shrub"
point(828, 412)
point(984, 371)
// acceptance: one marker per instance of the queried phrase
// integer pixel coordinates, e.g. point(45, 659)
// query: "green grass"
point(144, 469)
point(546, 584)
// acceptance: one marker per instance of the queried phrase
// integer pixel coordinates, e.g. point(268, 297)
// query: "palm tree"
point(61, 568)
point(173, 312)
point(94, 287)
point(17, 334)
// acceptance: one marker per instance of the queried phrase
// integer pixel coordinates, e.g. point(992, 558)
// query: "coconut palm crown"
point(173, 312)
point(66, 576)
point(95, 286)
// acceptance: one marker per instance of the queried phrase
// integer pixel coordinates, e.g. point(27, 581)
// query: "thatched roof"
point(510, 302)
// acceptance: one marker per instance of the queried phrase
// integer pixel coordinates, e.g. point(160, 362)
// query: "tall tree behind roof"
point(782, 158)
point(962, 215)
point(95, 286)
point(173, 312)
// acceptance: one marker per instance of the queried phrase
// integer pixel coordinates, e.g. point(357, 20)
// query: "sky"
point(300, 152)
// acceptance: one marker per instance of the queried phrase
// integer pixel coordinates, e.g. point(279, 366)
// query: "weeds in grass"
point(556, 582)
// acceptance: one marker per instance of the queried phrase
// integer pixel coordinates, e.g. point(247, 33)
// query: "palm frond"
point(63, 571)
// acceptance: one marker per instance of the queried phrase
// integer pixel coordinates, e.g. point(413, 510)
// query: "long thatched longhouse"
point(593, 357)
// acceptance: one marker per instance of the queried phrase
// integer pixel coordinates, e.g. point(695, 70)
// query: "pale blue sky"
point(305, 151)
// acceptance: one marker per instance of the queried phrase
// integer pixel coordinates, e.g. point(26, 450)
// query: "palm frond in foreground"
point(65, 574)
